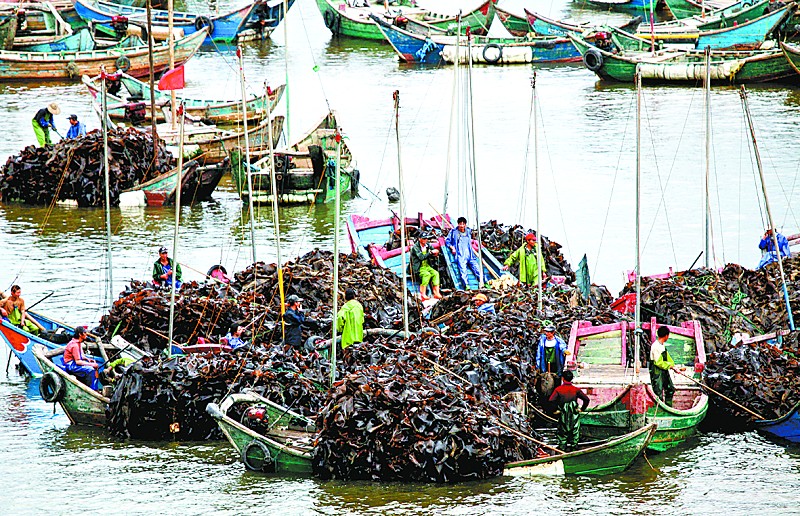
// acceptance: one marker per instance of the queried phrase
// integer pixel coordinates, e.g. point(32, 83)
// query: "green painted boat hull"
point(287, 460)
point(82, 405)
point(614, 456)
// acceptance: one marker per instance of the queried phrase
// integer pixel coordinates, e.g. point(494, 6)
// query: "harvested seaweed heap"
point(141, 315)
point(503, 240)
point(393, 420)
point(735, 300)
point(760, 376)
point(73, 169)
point(164, 400)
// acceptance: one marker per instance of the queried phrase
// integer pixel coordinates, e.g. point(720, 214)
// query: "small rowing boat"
point(606, 458)
point(267, 437)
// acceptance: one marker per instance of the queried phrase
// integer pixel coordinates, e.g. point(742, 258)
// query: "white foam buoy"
point(132, 199)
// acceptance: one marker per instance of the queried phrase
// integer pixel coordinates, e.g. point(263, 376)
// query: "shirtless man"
point(13, 308)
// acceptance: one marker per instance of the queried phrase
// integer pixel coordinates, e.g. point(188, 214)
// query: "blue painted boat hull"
point(786, 427)
point(20, 342)
point(746, 35)
point(412, 48)
point(226, 27)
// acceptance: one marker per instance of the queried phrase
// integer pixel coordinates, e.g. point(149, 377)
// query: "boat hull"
point(82, 405)
point(786, 427)
point(614, 456)
point(21, 343)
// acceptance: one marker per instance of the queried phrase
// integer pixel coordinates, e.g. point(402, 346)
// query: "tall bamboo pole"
point(396, 97)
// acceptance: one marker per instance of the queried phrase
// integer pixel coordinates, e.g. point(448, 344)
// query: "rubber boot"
point(436, 293)
point(422, 295)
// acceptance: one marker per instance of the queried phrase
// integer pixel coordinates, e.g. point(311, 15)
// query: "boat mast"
point(170, 38)
point(286, 65)
point(454, 106)
point(743, 94)
point(706, 206)
point(246, 162)
point(652, 28)
point(471, 132)
point(107, 175)
point(177, 225)
point(275, 219)
point(338, 211)
point(536, 176)
point(153, 117)
point(396, 97)
point(638, 310)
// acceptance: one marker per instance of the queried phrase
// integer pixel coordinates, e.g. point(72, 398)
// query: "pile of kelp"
point(735, 300)
point(760, 376)
point(311, 278)
point(394, 417)
point(503, 240)
point(157, 400)
point(72, 170)
point(141, 314)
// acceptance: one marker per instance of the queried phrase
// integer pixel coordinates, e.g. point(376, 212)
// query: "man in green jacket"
point(528, 263)
point(660, 364)
point(350, 319)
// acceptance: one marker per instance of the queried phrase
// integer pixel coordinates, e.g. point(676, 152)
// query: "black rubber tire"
point(499, 53)
point(204, 21)
point(123, 64)
point(593, 59)
point(266, 464)
point(51, 387)
point(330, 19)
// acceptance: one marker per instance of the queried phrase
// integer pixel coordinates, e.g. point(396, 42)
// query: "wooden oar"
point(759, 416)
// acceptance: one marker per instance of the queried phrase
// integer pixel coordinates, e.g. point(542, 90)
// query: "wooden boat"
point(214, 111)
point(786, 427)
point(355, 22)
point(279, 441)
point(792, 54)
point(745, 35)
point(306, 169)
point(607, 458)
point(71, 65)
point(368, 238)
point(434, 49)
point(686, 8)
point(255, 20)
point(626, 4)
point(197, 184)
point(727, 66)
point(729, 16)
point(81, 404)
point(619, 404)
point(178, 5)
point(545, 26)
point(515, 24)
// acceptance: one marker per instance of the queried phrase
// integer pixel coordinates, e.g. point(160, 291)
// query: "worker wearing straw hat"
point(43, 121)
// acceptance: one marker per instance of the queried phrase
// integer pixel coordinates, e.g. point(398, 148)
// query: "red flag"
point(172, 80)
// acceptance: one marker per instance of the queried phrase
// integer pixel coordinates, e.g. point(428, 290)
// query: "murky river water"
point(586, 164)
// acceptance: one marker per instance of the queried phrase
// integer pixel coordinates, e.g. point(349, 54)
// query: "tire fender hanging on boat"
point(123, 63)
point(593, 59)
point(494, 60)
point(51, 387)
point(204, 21)
point(333, 21)
point(264, 465)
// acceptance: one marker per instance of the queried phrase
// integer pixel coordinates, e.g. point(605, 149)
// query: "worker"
point(459, 241)
point(114, 369)
point(526, 255)
point(294, 319)
point(767, 246)
point(660, 365)
point(234, 337)
point(350, 319)
point(13, 309)
point(566, 397)
point(481, 304)
point(76, 364)
point(76, 129)
point(164, 269)
point(43, 121)
point(422, 267)
point(551, 352)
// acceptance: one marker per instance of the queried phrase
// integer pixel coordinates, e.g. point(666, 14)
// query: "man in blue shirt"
point(234, 337)
point(459, 241)
point(76, 129)
point(768, 246)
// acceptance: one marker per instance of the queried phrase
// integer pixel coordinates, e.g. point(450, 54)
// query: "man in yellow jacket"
point(350, 319)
